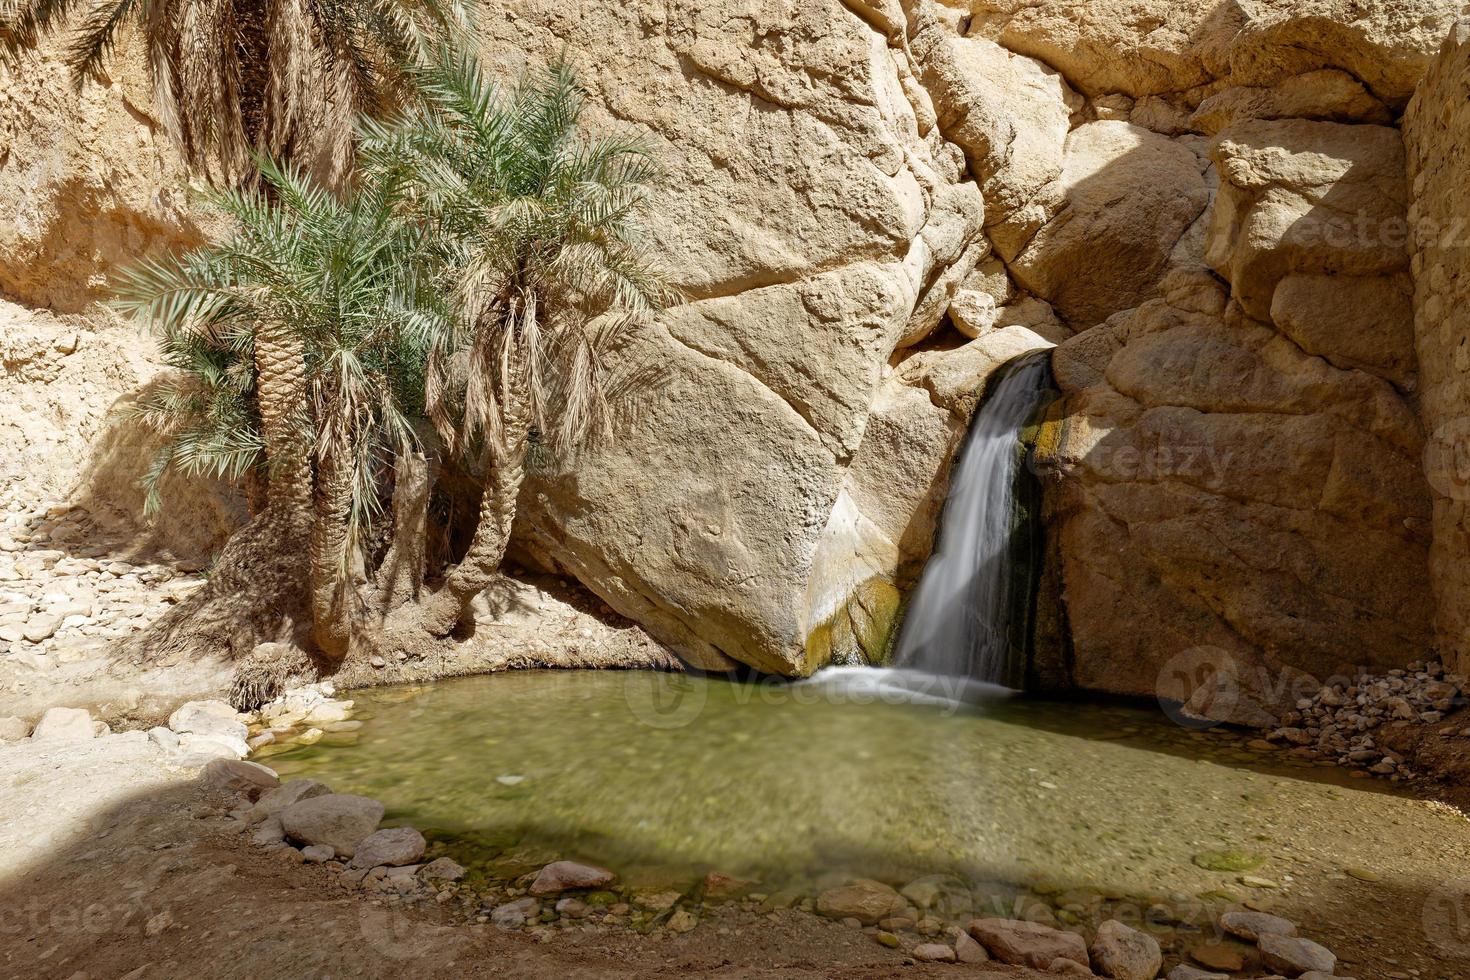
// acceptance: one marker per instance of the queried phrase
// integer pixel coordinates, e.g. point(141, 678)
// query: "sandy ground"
point(115, 866)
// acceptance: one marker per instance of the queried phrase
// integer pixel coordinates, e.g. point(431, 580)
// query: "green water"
point(654, 774)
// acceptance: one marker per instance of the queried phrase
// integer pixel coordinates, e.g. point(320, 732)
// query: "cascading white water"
point(959, 617)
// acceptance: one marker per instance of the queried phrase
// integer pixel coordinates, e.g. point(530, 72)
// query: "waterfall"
point(970, 614)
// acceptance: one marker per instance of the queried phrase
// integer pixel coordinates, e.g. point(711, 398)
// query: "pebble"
point(863, 899)
point(514, 915)
point(393, 847)
point(1294, 955)
point(1251, 926)
point(1187, 972)
point(934, 953)
point(1337, 722)
point(64, 725)
point(560, 876)
point(1124, 953)
point(337, 819)
point(1030, 944)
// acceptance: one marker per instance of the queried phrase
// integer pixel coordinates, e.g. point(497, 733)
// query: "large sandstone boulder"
point(1129, 196)
point(1224, 491)
point(813, 217)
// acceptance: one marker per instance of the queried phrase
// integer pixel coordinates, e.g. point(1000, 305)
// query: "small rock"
point(1251, 926)
point(64, 725)
point(1029, 943)
point(198, 750)
point(338, 819)
point(394, 847)
point(1125, 954)
point(966, 950)
point(208, 718)
point(866, 900)
point(572, 908)
point(514, 915)
point(722, 887)
point(1293, 955)
point(157, 923)
point(682, 921)
point(270, 832)
point(1218, 956)
point(317, 853)
point(165, 738)
point(1186, 972)
point(934, 953)
point(328, 712)
point(13, 729)
point(656, 901)
point(888, 939)
point(559, 876)
point(442, 869)
point(41, 627)
point(1227, 861)
point(247, 779)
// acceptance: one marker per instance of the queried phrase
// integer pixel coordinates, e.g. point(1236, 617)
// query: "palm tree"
point(234, 79)
point(539, 229)
point(346, 283)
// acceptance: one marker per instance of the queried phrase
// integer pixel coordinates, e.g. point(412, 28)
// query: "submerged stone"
point(1227, 861)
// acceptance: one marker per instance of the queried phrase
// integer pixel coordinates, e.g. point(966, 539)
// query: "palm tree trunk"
point(280, 371)
point(497, 511)
point(330, 591)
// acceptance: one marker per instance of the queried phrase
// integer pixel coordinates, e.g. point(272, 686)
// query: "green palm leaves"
point(541, 235)
point(465, 291)
point(347, 279)
point(233, 78)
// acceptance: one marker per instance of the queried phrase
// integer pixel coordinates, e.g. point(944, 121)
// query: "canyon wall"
point(869, 205)
point(1437, 139)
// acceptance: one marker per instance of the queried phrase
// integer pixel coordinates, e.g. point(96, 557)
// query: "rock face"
point(1238, 452)
point(869, 206)
point(93, 179)
point(1437, 138)
point(817, 218)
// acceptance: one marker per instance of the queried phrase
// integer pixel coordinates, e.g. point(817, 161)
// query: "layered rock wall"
point(1437, 138)
point(1239, 484)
